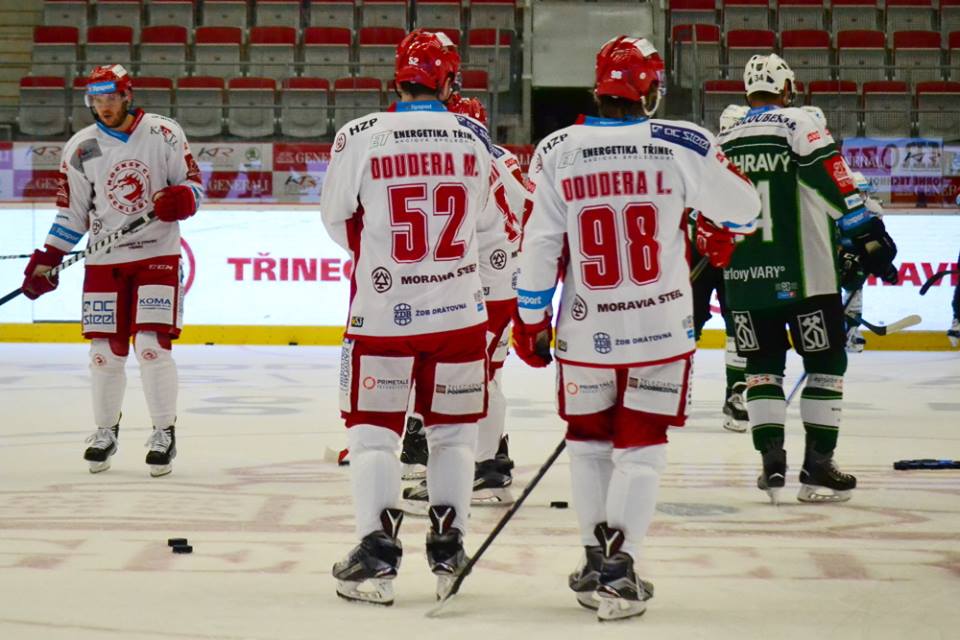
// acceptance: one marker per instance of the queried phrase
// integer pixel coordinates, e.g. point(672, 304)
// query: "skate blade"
point(774, 494)
point(813, 494)
point(736, 426)
point(491, 497)
point(619, 608)
point(588, 600)
point(445, 585)
point(99, 467)
point(375, 591)
point(159, 470)
point(413, 472)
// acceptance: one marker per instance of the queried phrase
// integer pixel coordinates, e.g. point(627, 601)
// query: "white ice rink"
point(84, 556)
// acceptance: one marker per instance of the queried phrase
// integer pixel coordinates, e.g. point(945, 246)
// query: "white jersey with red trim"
point(108, 178)
point(608, 212)
point(406, 195)
point(499, 265)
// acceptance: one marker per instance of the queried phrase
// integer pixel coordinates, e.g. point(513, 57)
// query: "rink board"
point(272, 275)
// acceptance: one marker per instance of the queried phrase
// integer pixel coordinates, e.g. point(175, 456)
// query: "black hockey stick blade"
point(445, 599)
point(932, 280)
point(899, 325)
point(103, 243)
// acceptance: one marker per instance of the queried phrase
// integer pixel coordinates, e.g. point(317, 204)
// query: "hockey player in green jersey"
point(785, 275)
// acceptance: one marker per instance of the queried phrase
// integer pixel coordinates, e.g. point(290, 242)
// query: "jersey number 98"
point(600, 244)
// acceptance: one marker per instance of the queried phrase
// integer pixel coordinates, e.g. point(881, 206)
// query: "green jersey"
point(804, 186)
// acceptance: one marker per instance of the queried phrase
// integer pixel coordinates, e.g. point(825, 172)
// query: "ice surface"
point(84, 556)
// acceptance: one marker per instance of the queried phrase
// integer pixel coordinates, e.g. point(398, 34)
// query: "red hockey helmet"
point(627, 68)
point(426, 58)
point(107, 80)
point(468, 107)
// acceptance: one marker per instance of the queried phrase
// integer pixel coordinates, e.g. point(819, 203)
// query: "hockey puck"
point(558, 504)
point(176, 542)
point(183, 548)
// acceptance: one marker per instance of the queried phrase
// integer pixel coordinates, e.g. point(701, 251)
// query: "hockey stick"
point(99, 245)
point(18, 256)
point(899, 325)
point(935, 278)
point(455, 587)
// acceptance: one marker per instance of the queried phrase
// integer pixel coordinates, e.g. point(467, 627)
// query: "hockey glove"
point(852, 275)
point(532, 341)
point(175, 203)
point(873, 244)
point(716, 243)
point(36, 283)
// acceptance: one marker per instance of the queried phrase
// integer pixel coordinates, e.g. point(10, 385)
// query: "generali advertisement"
point(277, 266)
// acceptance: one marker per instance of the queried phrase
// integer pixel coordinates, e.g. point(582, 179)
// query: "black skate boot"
point(620, 592)
point(444, 548)
point(103, 444)
point(163, 449)
point(774, 474)
point(585, 580)
point(735, 409)
point(822, 481)
point(503, 455)
point(367, 573)
point(414, 454)
point(490, 484)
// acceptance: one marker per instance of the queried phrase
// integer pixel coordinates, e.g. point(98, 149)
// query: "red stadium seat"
point(949, 17)
point(225, 13)
point(41, 111)
point(355, 98)
point(937, 113)
point(800, 14)
point(690, 69)
point(910, 15)
point(332, 13)
point(376, 50)
point(172, 12)
point(121, 12)
point(107, 45)
point(200, 105)
point(861, 55)
point(808, 53)
point(217, 51)
point(693, 12)
point(272, 52)
point(277, 13)
point(326, 51)
point(251, 110)
point(953, 55)
point(493, 14)
point(432, 14)
point(66, 13)
point(155, 94)
point(746, 14)
point(482, 50)
point(887, 107)
point(54, 51)
point(916, 56)
point(303, 107)
point(854, 14)
point(384, 13)
point(163, 51)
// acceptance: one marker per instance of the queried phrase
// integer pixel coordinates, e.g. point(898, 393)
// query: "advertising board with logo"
point(905, 171)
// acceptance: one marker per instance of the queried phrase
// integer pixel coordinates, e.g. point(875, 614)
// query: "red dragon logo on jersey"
point(128, 184)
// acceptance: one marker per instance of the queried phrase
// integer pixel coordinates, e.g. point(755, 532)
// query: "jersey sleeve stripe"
point(534, 299)
point(65, 234)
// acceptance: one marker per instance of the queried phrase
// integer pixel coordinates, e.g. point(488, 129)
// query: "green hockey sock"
point(820, 410)
point(766, 408)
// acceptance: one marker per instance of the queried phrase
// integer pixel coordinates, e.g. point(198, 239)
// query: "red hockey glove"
point(532, 341)
point(36, 283)
point(716, 243)
point(175, 203)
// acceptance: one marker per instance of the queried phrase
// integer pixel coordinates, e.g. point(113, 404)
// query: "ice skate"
point(414, 454)
point(367, 573)
point(774, 474)
point(735, 409)
point(103, 444)
point(491, 484)
point(822, 481)
point(585, 580)
point(953, 333)
point(445, 553)
point(855, 340)
point(505, 464)
point(163, 449)
point(621, 594)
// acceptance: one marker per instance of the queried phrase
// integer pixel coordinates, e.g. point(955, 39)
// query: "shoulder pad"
point(87, 149)
point(689, 138)
point(480, 131)
point(547, 144)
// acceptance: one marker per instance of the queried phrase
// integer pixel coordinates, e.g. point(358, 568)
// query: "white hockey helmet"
point(733, 114)
point(770, 74)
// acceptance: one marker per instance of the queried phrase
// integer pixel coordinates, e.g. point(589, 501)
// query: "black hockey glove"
point(852, 275)
point(875, 248)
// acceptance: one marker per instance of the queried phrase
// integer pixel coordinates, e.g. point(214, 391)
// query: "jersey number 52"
point(411, 224)
point(600, 245)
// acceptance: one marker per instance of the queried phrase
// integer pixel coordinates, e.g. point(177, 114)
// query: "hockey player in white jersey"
point(498, 268)
point(610, 196)
point(118, 168)
point(406, 194)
